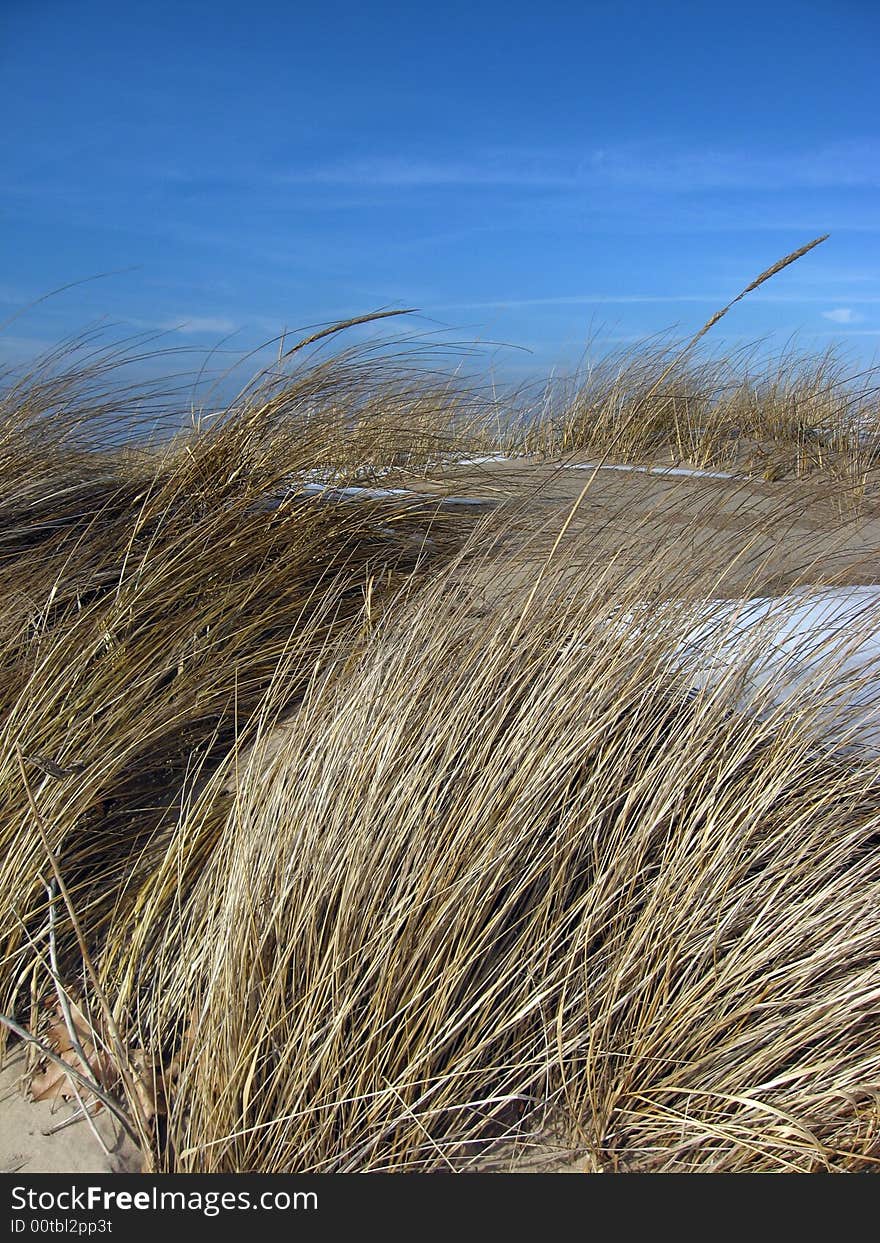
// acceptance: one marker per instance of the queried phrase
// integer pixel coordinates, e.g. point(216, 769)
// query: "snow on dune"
point(329, 491)
point(813, 648)
point(689, 471)
point(485, 459)
point(352, 492)
point(358, 493)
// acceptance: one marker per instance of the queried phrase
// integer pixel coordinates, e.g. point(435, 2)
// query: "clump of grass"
point(341, 871)
point(148, 599)
point(507, 868)
point(801, 415)
point(794, 415)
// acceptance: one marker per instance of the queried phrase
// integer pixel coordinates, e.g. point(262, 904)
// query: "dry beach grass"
point(368, 831)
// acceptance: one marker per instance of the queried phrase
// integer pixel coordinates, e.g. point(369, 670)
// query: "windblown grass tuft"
point(342, 831)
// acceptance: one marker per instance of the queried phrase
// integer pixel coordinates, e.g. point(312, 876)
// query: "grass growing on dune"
point(498, 873)
point(799, 415)
point(147, 603)
point(339, 866)
point(794, 415)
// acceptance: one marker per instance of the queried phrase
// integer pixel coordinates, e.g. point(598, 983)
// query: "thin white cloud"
point(843, 315)
point(415, 173)
point(628, 166)
point(9, 294)
point(507, 304)
point(795, 297)
point(835, 166)
point(22, 349)
point(202, 324)
point(859, 332)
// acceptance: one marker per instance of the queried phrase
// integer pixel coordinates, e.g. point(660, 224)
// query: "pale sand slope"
point(26, 1148)
point(767, 537)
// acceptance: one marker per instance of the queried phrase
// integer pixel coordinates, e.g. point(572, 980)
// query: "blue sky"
point(530, 174)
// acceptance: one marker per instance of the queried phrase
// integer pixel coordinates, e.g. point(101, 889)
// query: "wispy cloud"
point(843, 315)
point(201, 324)
point(414, 172)
point(849, 164)
point(505, 304)
point(855, 332)
point(22, 349)
point(11, 295)
point(867, 299)
point(627, 166)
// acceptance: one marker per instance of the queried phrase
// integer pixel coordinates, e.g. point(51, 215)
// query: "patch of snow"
point(812, 648)
point(859, 430)
point(653, 470)
point(482, 461)
point(353, 492)
point(467, 500)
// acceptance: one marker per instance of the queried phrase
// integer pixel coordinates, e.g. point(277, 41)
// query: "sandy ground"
point(27, 1147)
point(766, 536)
